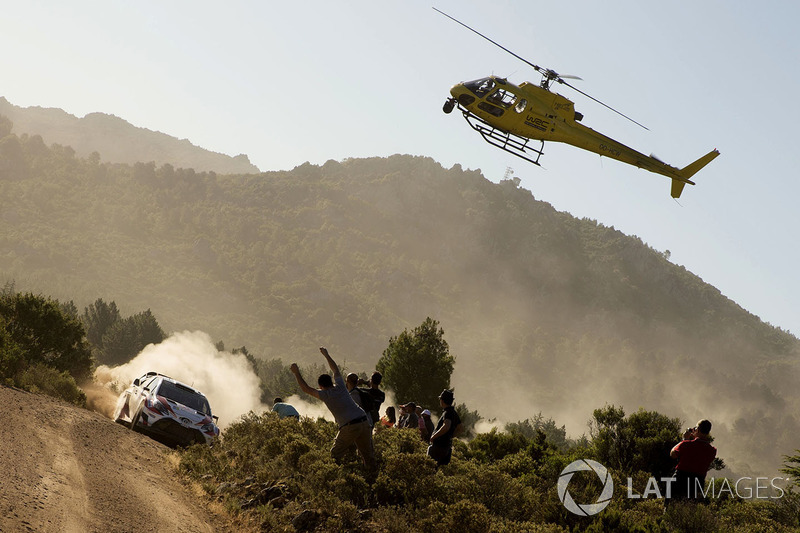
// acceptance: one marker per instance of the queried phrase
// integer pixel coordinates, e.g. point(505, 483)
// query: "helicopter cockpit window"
point(480, 87)
point(521, 105)
point(502, 98)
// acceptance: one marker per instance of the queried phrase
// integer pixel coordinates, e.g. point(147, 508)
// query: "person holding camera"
point(695, 455)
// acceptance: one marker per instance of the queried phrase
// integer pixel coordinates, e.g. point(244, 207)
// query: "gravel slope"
point(66, 469)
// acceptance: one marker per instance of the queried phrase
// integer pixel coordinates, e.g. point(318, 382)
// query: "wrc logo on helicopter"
point(537, 123)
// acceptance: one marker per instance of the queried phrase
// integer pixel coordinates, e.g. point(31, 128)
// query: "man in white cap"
point(426, 425)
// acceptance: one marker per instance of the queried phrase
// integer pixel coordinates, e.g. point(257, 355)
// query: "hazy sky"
point(300, 81)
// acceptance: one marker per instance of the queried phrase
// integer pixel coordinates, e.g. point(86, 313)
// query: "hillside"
point(544, 312)
point(69, 469)
point(118, 141)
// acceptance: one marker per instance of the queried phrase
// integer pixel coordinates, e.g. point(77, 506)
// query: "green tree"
point(5, 126)
point(791, 466)
point(12, 158)
point(276, 378)
point(469, 419)
point(45, 334)
point(640, 442)
point(417, 365)
point(12, 359)
point(127, 337)
point(97, 318)
point(531, 427)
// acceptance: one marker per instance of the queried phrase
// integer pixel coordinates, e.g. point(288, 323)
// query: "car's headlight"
point(156, 405)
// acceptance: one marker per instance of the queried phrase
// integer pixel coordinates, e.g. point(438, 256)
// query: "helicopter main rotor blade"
point(559, 80)
point(536, 67)
point(548, 73)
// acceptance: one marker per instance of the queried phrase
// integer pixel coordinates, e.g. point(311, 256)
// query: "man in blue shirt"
point(284, 410)
point(353, 424)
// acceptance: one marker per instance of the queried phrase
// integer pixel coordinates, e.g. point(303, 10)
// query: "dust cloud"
point(227, 379)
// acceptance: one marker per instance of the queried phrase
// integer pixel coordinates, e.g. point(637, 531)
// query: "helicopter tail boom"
point(689, 171)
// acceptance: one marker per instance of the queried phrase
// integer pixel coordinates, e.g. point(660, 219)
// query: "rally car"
point(168, 410)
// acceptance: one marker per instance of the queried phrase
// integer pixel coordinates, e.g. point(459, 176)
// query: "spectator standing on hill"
point(362, 398)
point(284, 410)
point(426, 425)
point(389, 419)
point(401, 419)
point(378, 396)
point(441, 447)
point(408, 418)
point(351, 419)
point(695, 455)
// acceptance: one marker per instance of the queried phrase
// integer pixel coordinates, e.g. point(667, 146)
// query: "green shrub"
point(497, 483)
point(467, 515)
point(390, 442)
point(48, 380)
point(406, 479)
point(754, 515)
point(493, 446)
point(12, 358)
point(688, 517)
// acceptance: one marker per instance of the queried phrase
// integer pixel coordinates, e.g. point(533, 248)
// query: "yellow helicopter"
point(510, 116)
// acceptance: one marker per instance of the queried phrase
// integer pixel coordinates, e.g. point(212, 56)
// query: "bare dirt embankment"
point(67, 469)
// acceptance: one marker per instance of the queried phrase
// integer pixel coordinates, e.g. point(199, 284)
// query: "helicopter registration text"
point(610, 150)
point(537, 123)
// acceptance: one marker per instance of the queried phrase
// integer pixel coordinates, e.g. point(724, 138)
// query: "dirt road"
point(66, 469)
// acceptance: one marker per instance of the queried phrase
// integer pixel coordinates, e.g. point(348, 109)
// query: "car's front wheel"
point(136, 416)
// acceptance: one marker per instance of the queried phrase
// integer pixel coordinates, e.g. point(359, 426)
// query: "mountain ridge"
point(119, 141)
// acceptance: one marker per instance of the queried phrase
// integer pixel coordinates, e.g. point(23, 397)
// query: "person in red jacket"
point(695, 455)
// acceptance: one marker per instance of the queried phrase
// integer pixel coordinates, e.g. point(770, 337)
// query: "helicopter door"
point(489, 108)
point(502, 98)
point(498, 101)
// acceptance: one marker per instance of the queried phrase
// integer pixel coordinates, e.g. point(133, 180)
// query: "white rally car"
point(167, 410)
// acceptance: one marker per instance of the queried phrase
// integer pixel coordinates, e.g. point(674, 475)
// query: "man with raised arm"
point(353, 425)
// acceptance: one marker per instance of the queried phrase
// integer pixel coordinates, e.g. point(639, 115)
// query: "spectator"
point(378, 396)
point(284, 410)
point(389, 419)
point(695, 455)
point(361, 396)
point(426, 425)
point(408, 416)
point(441, 448)
point(351, 419)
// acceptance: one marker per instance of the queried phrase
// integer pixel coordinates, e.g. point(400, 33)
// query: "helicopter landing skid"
point(511, 143)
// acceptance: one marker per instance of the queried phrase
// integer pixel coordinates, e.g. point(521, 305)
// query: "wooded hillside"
point(118, 141)
point(543, 312)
